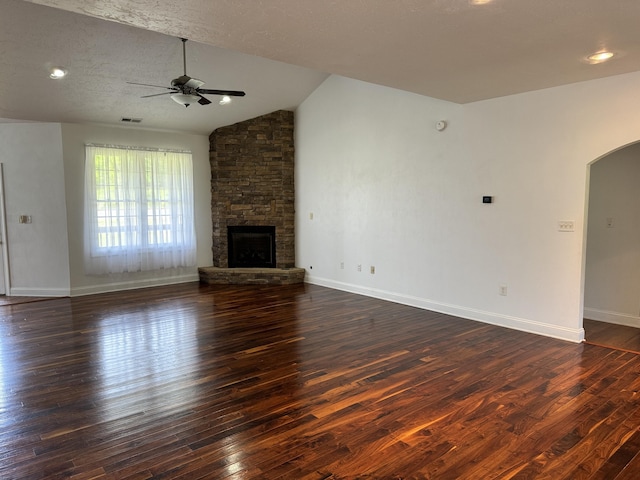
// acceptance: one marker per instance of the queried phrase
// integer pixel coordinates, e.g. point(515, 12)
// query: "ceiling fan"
point(186, 90)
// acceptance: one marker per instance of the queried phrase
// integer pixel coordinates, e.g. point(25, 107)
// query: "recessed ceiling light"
point(479, 2)
point(600, 57)
point(57, 72)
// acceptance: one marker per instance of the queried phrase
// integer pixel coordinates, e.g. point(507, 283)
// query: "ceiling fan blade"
point(231, 93)
point(148, 85)
point(156, 94)
point(203, 100)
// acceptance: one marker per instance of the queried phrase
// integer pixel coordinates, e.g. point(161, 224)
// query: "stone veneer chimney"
point(252, 182)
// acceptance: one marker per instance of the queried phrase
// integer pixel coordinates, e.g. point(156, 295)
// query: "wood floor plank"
point(301, 382)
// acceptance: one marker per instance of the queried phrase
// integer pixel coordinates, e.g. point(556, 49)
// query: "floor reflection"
point(146, 351)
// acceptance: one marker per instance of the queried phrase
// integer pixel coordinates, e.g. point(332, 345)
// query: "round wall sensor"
point(441, 125)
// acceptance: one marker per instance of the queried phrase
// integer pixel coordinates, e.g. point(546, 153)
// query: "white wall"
point(386, 189)
point(74, 137)
point(31, 155)
point(612, 279)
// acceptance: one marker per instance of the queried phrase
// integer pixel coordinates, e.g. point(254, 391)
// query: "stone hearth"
point(251, 276)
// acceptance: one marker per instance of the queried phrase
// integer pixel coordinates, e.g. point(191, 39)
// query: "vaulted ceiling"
point(279, 51)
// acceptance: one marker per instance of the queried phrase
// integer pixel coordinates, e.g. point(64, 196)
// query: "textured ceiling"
point(448, 49)
point(102, 57)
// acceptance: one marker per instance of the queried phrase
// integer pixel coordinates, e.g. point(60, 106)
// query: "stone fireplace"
point(252, 187)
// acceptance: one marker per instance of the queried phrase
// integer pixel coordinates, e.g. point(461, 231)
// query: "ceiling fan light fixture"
point(57, 73)
point(184, 99)
point(225, 100)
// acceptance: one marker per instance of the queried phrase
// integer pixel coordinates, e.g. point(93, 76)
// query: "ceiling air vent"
point(130, 120)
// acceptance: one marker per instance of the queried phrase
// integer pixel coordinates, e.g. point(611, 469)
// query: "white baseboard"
point(575, 335)
point(612, 317)
point(38, 292)
point(131, 285)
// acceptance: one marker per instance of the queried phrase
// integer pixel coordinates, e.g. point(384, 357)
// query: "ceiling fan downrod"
point(184, 55)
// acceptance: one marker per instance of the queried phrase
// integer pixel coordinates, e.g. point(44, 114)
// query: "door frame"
point(4, 258)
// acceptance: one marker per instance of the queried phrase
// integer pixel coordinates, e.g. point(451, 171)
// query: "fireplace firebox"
point(251, 246)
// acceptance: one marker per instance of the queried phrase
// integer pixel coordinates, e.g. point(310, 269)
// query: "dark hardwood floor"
point(14, 300)
point(302, 382)
point(610, 335)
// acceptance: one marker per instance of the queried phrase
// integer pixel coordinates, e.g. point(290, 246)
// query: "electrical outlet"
point(359, 268)
point(502, 290)
point(610, 222)
point(565, 226)
point(341, 265)
point(310, 215)
point(373, 269)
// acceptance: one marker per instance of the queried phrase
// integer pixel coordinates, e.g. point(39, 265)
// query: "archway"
point(612, 263)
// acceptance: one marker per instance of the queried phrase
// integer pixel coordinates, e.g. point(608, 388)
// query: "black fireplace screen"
point(252, 246)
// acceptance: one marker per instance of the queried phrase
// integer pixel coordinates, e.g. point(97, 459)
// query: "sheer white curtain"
point(138, 210)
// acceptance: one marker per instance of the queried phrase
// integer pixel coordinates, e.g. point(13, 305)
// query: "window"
point(138, 210)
